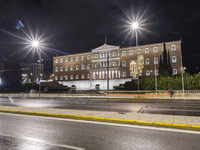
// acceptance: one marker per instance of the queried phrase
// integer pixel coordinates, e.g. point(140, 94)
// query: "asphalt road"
point(171, 107)
point(23, 132)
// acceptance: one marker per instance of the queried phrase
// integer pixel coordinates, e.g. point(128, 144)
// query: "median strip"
point(113, 120)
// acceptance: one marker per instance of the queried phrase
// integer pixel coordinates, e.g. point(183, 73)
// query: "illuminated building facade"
point(85, 70)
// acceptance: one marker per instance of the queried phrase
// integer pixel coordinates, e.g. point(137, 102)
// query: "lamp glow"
point(134, 25)
point(35, 43)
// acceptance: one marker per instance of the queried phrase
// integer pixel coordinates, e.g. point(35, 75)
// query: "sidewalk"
point(172, 121)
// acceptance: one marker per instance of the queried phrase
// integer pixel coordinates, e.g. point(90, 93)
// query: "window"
point(77, 77)
point(56, 69)
point(72, 58)
point(104, 54)
point(156, 72)
point(138, 51)
point(131, 52)
point(72, 67)
point(123, 53)
point(96, 65)
point(56, 60)
point(155, 60)
point(155, 49)
point(114, 54)
point(76, 58)
point(101, 55)
point(146, 50)
point(173, 47)
point(88, 57)
point(147, 61)
point(66, 68)
point(124, 74)
point(71, 77)
point(83, 76)
point(174, 71)
point(108, 54)
point(96, 55)
point(66, 59)
point(88, 66)
point(56, 77)
point(123, 63)
point(83, 67)
point(88, 76)
point(61, 68)
point(77, 67)
point(114, 63)
point(61, 77)
point(147, 73)
point(82, 58)
point(173, 59)
point(66, 77)
point(61, 60)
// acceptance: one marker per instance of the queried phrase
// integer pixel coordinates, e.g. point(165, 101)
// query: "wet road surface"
point(23, 132)
point(170, 107)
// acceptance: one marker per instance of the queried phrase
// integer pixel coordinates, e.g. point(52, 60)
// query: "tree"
point(169, 66)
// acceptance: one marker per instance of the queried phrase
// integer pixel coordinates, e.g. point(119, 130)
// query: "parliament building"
point(86, 70)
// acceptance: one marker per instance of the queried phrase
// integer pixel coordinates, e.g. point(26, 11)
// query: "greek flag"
point(19, 25)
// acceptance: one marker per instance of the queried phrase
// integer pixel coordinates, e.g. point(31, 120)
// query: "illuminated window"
point(71, 77)
point(155, 60)
point(72, 68)
point(147, 73)
point(147, 61)
point(77, 67)
point(123, 63)
point(82, 58)
point(66, 68)
point(61, 68)
point(83, 67)
point(173, 47)
point(155, 49)
point(174, 71)
point(146, 50)
point(83, 76)
point(138, 51)
point(124, 74)
point(56, 77)
point(61, 60)
point(88, 66)
point(56, 60)
point(66, 77)
point(77, 76)
point(131, 52)
point(173, 59)
point(56, 69)
point(61, 77)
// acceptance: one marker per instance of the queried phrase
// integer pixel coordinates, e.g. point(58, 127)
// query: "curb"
point(113, 120)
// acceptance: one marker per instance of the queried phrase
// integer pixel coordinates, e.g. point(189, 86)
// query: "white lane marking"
point(112, 124)
point(42, 141)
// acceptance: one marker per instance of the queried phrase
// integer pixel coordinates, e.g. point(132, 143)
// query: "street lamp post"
point(35, 44)
point(155, 74)
point(135, 27)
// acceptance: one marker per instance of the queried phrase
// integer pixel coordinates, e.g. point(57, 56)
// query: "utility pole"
point(107, 72)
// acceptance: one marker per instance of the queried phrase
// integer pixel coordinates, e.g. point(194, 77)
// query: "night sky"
point(76, 26)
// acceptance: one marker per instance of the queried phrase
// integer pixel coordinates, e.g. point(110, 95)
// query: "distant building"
point(31, 72)
point(85, 70)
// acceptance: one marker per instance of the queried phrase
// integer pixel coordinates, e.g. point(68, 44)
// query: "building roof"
point(105, 47)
